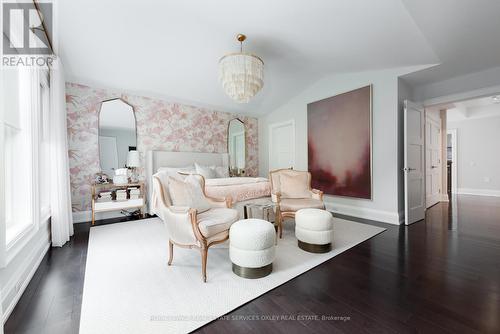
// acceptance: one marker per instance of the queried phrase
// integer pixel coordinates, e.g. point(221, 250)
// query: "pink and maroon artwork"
point(339, 141)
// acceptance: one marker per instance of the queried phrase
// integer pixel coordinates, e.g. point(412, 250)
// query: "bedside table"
point(113, 205)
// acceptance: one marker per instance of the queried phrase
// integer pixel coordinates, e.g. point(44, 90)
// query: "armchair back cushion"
point(291, 183)
point(295, 186)
point(188, 192)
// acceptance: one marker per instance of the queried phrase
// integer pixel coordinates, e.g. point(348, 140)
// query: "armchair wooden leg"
point(204, 255)
point(170, 252)
point(279, 221)
point(280, 225)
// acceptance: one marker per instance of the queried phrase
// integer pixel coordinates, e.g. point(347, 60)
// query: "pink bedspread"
point(239, 189)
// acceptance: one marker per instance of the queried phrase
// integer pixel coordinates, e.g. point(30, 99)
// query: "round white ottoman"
point(314, 230)
point(251, 247)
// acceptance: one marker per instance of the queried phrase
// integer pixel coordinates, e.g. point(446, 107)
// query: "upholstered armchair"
point(188, 227)
point(291, 191)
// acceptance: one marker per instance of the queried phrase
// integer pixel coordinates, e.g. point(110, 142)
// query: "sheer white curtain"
point(60, 193)
point(1, 314)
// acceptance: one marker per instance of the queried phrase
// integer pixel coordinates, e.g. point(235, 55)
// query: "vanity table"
point(114, 205)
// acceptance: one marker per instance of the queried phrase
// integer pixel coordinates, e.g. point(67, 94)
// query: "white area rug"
point(130, 289)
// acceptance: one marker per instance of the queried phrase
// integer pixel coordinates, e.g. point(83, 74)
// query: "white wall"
point(384, 206)
point(478, 157)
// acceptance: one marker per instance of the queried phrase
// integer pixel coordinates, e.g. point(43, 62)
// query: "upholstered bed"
point(238, 188)
point(242, 190)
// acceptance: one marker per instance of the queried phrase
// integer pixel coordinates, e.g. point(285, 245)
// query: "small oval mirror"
point(236, 146)
point(117, 134)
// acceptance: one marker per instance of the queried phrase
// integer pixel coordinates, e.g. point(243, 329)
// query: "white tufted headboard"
point(157, 159)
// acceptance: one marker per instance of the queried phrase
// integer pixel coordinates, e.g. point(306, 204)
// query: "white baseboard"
point(365, 213)
point(401, 217)
point(17, 284)
point(444, 198)
point(478, 192)
point(86, 216)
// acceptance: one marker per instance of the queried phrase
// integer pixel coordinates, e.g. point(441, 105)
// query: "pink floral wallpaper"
point(161, 125)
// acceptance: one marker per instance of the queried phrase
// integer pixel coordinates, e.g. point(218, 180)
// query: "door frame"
point(272, 127)
point(454, 156)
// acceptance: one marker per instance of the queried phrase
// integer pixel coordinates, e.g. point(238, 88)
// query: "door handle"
point(434, 166)
point(409, 169)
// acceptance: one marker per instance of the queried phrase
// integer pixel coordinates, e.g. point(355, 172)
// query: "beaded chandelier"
point(241, 74)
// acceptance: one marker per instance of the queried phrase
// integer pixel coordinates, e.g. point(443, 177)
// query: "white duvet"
point(238, 188)
point(232, 181)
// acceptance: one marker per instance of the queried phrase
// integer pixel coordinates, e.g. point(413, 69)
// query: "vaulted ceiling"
point(171, 48)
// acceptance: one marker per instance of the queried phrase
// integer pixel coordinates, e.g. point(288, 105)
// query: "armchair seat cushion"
point(295, 204)
point(216, 220)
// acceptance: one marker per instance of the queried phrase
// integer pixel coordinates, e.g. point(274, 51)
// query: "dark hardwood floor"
point(435, 276)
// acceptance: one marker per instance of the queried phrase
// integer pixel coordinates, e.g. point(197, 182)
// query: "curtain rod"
point(44, 28)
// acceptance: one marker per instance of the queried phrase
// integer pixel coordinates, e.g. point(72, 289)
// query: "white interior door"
point(282, 145)
point(414, 125)
point(433, 165)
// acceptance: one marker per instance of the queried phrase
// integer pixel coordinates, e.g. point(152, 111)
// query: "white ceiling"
point(463, 33)
point(472, 109)
point(171, 49)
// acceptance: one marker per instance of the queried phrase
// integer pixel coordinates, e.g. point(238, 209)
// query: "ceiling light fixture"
point(241, 74)
point(496, 99)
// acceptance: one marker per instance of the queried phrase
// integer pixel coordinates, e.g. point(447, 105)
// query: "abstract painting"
point(339, 144)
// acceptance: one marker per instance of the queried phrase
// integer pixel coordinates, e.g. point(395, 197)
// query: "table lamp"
point(133, 161)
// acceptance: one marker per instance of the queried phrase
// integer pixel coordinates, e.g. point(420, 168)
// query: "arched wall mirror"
point(236, 146)
point(117, 134)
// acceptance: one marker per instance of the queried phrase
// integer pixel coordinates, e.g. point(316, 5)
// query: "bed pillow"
point(222, 172)
point(174, 171)
point(206, 171)
point(187, 192)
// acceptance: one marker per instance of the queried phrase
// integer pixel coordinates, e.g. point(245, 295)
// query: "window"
point(17, 153)
point(25, 95)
